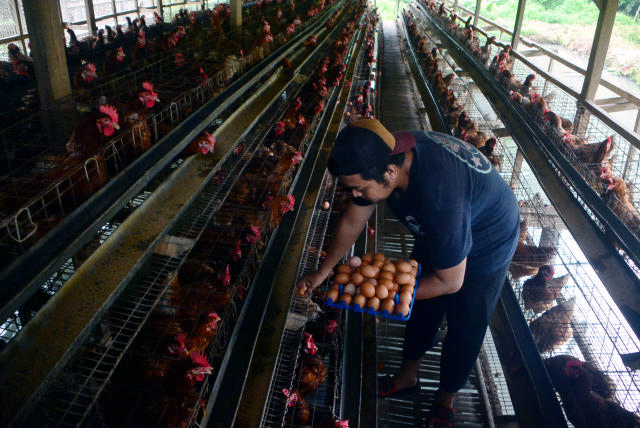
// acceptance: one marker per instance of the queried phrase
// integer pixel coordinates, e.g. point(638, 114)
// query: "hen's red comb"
point(91, 67)
point(199, 359)
point(110, 111)
point(148, 86)
point(574, 363)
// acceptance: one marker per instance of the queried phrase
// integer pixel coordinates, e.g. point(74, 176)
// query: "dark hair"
point(376, 172)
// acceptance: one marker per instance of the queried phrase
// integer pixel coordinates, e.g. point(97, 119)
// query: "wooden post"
point(91, 17)
point(518, 26)
point(477, 13)
point(49, 59)
point(599, 49)
point(236, 13)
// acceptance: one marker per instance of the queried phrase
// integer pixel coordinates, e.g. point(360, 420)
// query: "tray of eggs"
point(375, 285)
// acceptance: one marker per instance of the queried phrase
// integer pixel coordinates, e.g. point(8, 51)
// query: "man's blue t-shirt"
point(456, 206)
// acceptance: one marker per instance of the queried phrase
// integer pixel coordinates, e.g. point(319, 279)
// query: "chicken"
point(204, 144)
point(575, 373)
point(179, 412)
point(580, 385)
point(114, 61)
point(523, 234)
point(135, 118)
point(312, 374)
point(540, 292)
point(199, 340)
point(184, 374)
point(91, 131)
point(553, 328)
point(485, 51)
point(297, 409)
point(623, 207)
point(279, 206)
point(592, 153)
point(479, 140)
point(82, 81)
point(532, 255)
point(488, 149)
point(525, 88)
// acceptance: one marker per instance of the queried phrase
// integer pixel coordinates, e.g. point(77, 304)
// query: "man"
point(465, 219)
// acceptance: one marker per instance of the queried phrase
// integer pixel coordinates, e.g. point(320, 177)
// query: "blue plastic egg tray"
point(370, 311)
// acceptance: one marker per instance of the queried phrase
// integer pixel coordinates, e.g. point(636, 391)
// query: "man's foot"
point(440, 416)
point(388, 386)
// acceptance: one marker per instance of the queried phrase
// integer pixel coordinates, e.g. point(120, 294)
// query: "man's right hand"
point(310, 281)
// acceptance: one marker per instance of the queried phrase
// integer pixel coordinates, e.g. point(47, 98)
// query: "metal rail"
point(39, 262)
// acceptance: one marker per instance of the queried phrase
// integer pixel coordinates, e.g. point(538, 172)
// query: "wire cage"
point(211, 240)
point(611, 173)
point(39, 187)
point(586, 323)
point(327, 328)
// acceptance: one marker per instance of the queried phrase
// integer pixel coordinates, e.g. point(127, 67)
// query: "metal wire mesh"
point(37, 189)
point(217, 244)
point(585, 128)
point(323, 402)
point(600, 333)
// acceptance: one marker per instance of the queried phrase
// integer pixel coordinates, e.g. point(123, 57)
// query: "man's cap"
point(364, 144)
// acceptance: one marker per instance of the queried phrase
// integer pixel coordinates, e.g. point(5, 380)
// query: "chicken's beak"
point(115, 125)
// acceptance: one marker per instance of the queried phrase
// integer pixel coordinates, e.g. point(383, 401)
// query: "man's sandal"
point(440, 415)
point(386, 388)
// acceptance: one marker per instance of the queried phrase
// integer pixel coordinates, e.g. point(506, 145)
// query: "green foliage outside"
point(572, 23)
point(387, 8)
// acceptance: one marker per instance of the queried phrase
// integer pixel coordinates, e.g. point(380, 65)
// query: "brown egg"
point(414, 271)
point(389, 267)
point(378, 256)
point(396, 287)
point(378, 263)
point(367, 258)
point(407, 289)
point(326, 205)
point(343, 278)
point(367, 289)
point(346, 298)
point(386, 275)
point(402, 278)
point(392, 294)
point(372, 281)
point(359, 300)
point(344, 269)
point(335, 285)
point(374, 303)
point(386, 282)
point(403, 309)
point(413, 262)
point(403, 267)
point(349, 289)
point(412, 279)
point(333, 295)
point(388, 306)
point(369, 271)
point(405, 297)
point(357, 278)
point(382, 292)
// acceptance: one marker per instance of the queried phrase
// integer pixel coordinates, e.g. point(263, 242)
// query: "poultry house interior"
point(165, 194)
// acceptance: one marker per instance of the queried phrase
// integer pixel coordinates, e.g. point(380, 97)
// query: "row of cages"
point(305, 389)
point(42, 183)
point(606, 160)
point(153, 360)
point(568, 309)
